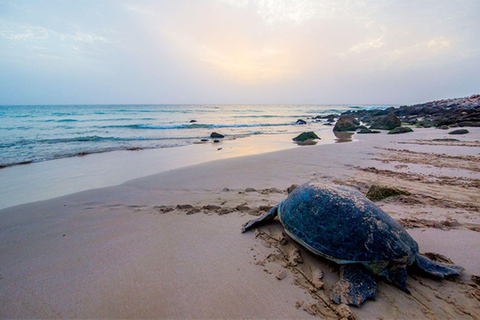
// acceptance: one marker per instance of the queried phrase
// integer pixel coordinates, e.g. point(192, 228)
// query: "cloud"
point(22, 40)
point(18, 32)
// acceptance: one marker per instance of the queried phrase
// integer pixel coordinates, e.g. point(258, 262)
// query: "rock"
point(192, 121)
point(443, 127)
point(204, 140)
point(459, 131)
point(215, 135)
point(462, 112)
point(424, 124)
point(281, 275)
point(378, 193)
point(216, 141)
point(368, 131)
point(388, 122)
point(310, 135)
point(400, 130)
point(300, 121)
point(346, 123)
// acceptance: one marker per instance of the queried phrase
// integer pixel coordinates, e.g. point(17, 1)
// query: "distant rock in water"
point(215, 135)
point(386, 122)
point(346, 123)
point(310, 135)
point(329, 118)
point(398, 130)
point(368, 131)
point(192, 121)
point(301, 121)
point(459, 131)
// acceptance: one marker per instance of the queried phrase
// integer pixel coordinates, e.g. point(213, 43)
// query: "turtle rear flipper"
point(437, 268)
point(355, 286)
point(261, 220)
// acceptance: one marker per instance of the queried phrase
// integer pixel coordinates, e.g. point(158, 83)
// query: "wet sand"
point(169, 245)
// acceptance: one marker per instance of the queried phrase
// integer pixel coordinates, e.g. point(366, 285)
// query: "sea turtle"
point(341, 225)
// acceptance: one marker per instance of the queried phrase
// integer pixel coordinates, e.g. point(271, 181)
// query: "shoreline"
point(169, 245)
point(49, 179)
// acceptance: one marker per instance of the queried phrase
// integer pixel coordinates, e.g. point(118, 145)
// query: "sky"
point(238, 51)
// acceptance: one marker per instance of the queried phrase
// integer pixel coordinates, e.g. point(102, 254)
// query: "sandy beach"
point(169, 245)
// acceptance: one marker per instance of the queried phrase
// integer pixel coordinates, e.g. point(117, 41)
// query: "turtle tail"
point(262, 220)
point(437, 269)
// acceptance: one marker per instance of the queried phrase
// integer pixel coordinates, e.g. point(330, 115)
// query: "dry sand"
point(169, 245)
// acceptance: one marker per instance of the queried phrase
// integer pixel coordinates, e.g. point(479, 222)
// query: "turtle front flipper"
point(437, 268)
point(261, 220)
point(355, 286)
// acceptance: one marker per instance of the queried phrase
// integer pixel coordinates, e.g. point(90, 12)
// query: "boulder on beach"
point(301, 121)
point(368, 131)
point(379, 192)
point(346, 123)
point(459, 131)
point(398, 130)
point(215, 135)
point(310, 135)
point(388, 122)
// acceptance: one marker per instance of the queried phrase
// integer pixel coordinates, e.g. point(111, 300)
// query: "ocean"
point(30, 134)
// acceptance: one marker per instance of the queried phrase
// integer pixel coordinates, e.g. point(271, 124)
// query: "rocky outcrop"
point(346, 123)
point(388, 122)
point(461, 112)
point(301, 121)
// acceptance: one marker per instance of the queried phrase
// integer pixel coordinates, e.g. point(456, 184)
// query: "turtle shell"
point(342, 225)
